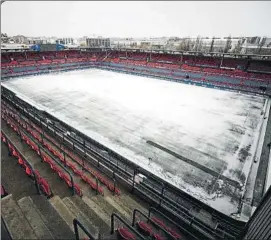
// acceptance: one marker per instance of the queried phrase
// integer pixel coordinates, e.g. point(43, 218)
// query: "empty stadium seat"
point(125, 234)
point(145, 228)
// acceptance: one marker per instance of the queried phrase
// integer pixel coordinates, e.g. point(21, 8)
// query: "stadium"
point(105, 143)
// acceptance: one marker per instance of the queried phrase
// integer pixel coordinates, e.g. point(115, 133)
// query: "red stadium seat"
point(145, 228)
point(158, 237)
point(125, 234)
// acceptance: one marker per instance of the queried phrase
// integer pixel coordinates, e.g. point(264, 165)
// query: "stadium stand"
point(102, 209)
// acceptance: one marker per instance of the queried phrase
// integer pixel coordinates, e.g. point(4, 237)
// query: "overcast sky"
point(136, 19)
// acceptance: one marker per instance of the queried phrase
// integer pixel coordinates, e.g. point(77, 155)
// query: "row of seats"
point(43, 184)
point(238, 85)
point(76, 159)
point(46, 158)
point(265, 66)
point(228, 73)
point(148, 231)
point(212, 62)
point(209, 61)
point(69, 164)
point(233, 63)
point(237, 74)
point(23, 58)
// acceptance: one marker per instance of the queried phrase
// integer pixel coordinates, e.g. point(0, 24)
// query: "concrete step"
point(128, 204)
point(113, 236)
point(108, 207)
point(81, 216)
point(93, 213)
point(17, 224)
point(120, 209)
point(34, 218)
point(62, 210)
point(54, 222)
point(133, 202)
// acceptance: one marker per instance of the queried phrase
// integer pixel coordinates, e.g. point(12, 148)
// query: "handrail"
point(189, 220)
point(48, 153)
point(149, 219)
point(77, 223)
point(114, 215)
point(24, 158)
point(170, 220)
point(5, 229)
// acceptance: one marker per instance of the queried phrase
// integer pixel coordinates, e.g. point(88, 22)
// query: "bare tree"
point(228, 44)
point(188, 44)
point(212, 45)
point(261, 44)
point(198, 44)
point(238, 46)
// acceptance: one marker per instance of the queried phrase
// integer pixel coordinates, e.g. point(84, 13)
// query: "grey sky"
point(136, 19)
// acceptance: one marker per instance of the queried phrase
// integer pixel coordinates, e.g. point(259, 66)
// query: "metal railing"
point(168, 189)
point(66, 154)
point(63, 152)
point(152, 209)
point(76, 224)
point(4, 230)
point(150, 220)
point(113, 216)
point(47, 153)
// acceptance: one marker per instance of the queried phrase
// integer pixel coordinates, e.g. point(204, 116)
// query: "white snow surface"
point(209, 126)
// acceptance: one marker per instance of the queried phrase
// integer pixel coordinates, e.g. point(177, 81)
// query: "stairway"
point(36, 217)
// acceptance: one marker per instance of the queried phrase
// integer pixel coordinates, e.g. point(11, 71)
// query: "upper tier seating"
point(33, 56)
point(154, 60)
point(73, 54)
point(208, 61)
point(18, 56)
point(5, 58)
point(48, 55)
point(233, 63)
point(61, 54)
point(260, 66)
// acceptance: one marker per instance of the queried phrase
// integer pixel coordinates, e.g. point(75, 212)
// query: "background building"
point(65, 41)
point(98, 42)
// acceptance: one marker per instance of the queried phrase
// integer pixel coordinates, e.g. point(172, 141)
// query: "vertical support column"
point(9, 150)
point(83, 161)
point(114, 183)
point(73, 191)
point(36, 182)
point(112, 224)
point(20, 134)
point(221, 62)
point(162, 194)
point(76, 230)
point(97, 184)
point(64, 156)
point(135, 172)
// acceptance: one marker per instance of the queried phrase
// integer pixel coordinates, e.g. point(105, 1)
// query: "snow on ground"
point(215, 128)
